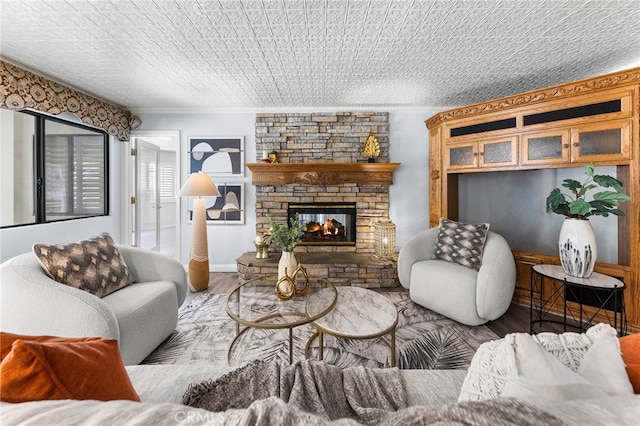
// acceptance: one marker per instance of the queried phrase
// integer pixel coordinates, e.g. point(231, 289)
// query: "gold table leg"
point(290, 346)
point(320, 345)
point(392, 346)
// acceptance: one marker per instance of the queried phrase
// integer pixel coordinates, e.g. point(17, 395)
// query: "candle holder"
point(385, 239)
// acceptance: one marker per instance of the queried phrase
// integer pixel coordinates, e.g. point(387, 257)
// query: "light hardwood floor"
point(516, 319)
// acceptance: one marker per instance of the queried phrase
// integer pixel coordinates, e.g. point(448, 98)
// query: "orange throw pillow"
point(630, 348)
point(7, 339)
point(93, 369)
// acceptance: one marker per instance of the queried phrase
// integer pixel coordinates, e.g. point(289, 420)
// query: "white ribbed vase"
point(288, 261)
point(577, 246)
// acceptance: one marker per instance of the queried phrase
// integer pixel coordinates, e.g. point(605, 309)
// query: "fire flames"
point(331, 228)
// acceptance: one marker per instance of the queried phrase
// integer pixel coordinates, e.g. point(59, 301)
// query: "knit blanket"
point(315, 393)
point(327, 391)
point(274, 411)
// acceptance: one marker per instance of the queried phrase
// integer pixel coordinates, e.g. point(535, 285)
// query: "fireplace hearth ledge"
point(341, 269)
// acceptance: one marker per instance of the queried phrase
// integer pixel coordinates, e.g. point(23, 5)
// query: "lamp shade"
point(199, 185)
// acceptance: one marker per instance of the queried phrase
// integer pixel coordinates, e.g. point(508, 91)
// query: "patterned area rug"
point(424, 339)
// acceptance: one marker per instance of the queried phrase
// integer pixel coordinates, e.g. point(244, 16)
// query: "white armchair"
point(468, 296)
point(140, 316)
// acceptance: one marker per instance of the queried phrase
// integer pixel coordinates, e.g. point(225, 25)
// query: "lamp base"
point(198, 275)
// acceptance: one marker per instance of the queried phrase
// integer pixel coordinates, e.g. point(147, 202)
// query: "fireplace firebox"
point(326, 223)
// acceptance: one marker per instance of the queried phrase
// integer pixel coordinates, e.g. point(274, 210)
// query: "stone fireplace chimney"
point(323, 138)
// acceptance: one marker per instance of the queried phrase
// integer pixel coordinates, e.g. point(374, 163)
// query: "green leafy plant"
point(576, 206)
point(286, 237)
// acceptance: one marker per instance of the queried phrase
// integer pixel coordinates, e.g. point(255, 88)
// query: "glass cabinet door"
point(462, 156)
point(546, 147)
point(601, 141)
point(499, 152)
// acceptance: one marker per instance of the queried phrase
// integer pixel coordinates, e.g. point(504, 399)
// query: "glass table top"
point(255, 303)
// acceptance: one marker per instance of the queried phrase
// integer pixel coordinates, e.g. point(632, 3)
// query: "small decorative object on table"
point(577, 243)
point(262, 243)
point(286, 237)
point(287, 285)
point(371, 149)
point(301, 275)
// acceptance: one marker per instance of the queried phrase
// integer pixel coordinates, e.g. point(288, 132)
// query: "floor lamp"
point(199, 185)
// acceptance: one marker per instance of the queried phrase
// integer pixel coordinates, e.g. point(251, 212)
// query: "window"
point(168, 176)
point(53, 169)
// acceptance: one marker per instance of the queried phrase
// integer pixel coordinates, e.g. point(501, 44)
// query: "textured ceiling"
point(258, 55)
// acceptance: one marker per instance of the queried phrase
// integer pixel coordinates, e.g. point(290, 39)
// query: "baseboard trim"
point(229, 267)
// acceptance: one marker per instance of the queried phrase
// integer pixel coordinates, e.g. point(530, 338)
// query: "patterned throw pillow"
point(94, 265)
point(461, 243)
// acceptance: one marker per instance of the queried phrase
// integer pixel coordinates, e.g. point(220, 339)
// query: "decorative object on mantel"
point(577, 244)
point(385, 239)
point(199, 185)
point(273, 156)
point(265, 157)
point(371, 149)
point(262, 243)
point(286, 237)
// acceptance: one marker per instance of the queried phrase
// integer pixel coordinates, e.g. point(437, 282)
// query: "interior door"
point(147, 192)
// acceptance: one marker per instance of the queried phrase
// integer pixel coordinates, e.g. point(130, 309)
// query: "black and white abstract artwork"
point(220, 157)
point(226, 209)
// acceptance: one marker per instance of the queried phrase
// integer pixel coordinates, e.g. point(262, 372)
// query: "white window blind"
point(75, 175)
point(168, 175)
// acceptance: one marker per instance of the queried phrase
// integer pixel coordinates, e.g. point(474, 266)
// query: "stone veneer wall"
point(323, 137)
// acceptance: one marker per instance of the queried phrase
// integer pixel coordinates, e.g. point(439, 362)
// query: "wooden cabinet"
point(435, 178)
point(604, 141)
point(598, 142)
point(546, 147)
point(593, 120)
point(494, 152)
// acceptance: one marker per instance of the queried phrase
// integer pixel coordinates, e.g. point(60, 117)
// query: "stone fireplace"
point(341, 177)
point(323, 138)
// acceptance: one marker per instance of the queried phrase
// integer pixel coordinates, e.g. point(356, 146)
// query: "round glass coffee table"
point(254, 304)
point(359, 314)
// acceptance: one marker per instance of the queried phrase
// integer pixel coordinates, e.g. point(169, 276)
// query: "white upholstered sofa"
point(139, 316)
point(468, 296)
point(161, 387)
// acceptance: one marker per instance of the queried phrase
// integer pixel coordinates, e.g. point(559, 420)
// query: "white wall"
point(226, 242)
point(18, 240)
point(409, 196)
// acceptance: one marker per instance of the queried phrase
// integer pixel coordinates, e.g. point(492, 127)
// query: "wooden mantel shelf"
point(322, 173)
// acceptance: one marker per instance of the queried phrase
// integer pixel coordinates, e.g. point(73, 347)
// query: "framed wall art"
point(220, 157)
point(228, 209)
